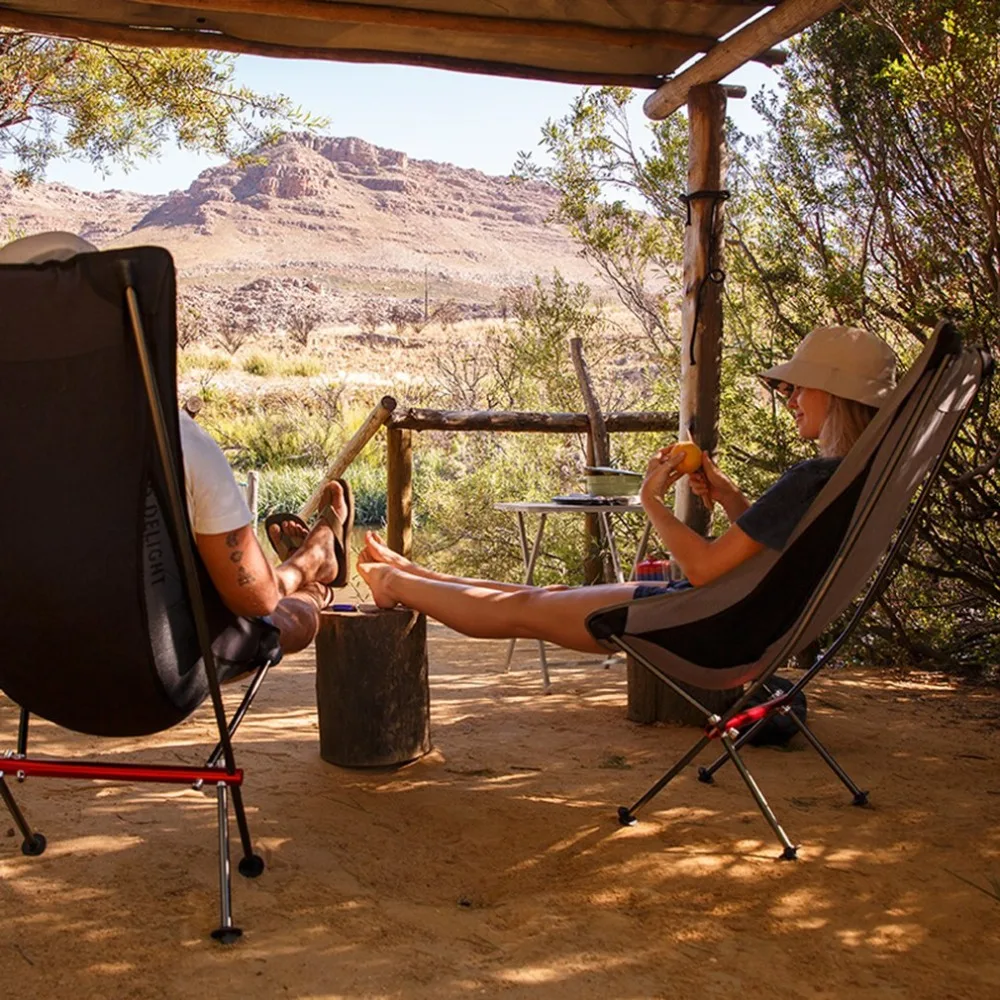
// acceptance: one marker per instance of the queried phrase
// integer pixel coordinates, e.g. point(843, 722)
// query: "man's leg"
point(297, 616)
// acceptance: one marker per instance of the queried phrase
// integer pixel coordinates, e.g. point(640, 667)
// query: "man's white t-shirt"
point(216, 503)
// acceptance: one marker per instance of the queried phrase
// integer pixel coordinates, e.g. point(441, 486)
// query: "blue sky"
point(472, 121)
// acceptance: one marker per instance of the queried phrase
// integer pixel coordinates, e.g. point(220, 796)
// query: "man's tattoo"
point(243, 578)
point(236, 556)
point(233, 539)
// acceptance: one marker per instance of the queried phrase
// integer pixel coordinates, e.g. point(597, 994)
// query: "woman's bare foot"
point(379, 578)
point(376, 551)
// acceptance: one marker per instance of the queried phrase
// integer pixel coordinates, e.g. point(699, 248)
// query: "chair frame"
point(220, 768)
point(739, 723)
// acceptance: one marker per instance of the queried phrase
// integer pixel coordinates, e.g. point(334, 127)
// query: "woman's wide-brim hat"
point(841, 360)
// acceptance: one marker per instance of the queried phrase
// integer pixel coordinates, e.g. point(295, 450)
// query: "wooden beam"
point(176, 38)
point(379, 415)
point(517, 421)
point(430, 20)
point(778, 24)
point(701, 308)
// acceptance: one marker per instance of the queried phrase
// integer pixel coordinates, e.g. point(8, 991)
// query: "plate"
point(586, 500)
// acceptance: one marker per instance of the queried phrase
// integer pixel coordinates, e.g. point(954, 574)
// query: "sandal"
point(284, 546)
point(341, 534)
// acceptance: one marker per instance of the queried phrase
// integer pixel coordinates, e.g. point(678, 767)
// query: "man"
point(294, 593)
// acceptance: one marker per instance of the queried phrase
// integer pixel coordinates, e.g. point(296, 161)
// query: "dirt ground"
point(495, 866)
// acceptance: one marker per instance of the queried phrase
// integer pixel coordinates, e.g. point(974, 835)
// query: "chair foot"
point(227, 935)
point(789, 854)
point(34, 845)
point(860, 799)
point(625, 816)
point(251, 867)
point(705, 776)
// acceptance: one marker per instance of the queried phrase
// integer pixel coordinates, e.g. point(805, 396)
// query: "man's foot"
point(379, 577)
point(316, 556)
point(376, 551)
point(286, 536)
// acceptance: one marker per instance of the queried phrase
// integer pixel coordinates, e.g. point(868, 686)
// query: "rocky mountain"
point(337, 218)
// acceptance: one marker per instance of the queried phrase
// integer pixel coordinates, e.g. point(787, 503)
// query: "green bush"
point(260, 364)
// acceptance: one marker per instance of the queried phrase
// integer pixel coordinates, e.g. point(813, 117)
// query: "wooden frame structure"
point(586, 42)
point(596, 42)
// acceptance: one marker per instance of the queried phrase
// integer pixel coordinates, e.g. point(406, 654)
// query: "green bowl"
point(610, 485)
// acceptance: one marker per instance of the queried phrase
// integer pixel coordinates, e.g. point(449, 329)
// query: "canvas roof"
point(637, 43)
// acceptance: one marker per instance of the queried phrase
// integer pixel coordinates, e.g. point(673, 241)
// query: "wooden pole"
point(593, 566)
point(399, 490)
point(748, 43)
point(701, 310)
point(379, 415)
point(598, 429)
point(253, 494)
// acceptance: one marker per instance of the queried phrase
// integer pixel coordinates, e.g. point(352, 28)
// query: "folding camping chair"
point(111, 625)
point(741, 628)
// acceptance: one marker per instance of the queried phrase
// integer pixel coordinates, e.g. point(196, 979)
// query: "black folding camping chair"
point(111, 625)
point(741, 628)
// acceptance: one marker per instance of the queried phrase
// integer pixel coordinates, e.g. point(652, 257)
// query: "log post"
point(593, 567)
point(701, 310)
point(649, 699)
point(399, 490)
point(598, 453)
point(372, 690)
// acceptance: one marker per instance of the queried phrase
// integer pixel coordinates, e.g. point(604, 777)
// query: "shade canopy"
point(637, 43)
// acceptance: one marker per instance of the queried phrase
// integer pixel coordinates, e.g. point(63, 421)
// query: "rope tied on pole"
point(715, 274)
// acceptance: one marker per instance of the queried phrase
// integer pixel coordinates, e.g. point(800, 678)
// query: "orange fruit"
point(692, 456)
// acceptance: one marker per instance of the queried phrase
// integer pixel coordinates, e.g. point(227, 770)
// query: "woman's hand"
point(661, 474)
point(713, 486)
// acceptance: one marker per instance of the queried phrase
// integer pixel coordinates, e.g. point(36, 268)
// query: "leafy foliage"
point(116, 105)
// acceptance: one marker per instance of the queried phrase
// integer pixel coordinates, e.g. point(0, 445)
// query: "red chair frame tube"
point(171, 774)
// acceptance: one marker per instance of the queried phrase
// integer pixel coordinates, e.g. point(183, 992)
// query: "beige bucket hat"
point(42, 247)
point(842, 360)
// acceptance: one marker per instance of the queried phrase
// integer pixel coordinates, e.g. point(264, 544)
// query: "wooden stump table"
point(371, 687)
point(650, 700)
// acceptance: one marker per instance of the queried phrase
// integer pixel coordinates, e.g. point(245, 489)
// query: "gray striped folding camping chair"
point(741, 628)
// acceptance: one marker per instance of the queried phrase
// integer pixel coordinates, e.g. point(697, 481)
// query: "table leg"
point(609, 537)
point(640, 553)
point(530, 559)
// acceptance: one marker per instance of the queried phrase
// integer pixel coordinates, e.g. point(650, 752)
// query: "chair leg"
point(626, 814)
point(32, 843)
point(216, 755)
point(860, 797)
point(251, 865)
point(789, 852)
point(706, 774)
point(226, 932)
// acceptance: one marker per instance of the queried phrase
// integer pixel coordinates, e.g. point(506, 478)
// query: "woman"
point(834, 383)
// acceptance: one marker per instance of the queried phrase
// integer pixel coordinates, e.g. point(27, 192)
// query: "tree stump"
point(371, 687)
point(650, 700)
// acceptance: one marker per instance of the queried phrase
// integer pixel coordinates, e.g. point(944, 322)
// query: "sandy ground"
point(494, 866)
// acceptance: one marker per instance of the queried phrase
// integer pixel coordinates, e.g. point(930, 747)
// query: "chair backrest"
point(99, 634)
point(724, 634)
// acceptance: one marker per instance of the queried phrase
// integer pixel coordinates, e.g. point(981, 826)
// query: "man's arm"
point(242, 575)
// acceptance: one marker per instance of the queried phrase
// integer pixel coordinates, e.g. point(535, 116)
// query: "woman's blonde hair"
point(845, 420)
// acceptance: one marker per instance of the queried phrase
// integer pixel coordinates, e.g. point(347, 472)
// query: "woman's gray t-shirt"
point(772, 519)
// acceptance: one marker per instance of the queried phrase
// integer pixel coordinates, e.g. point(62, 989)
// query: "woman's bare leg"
point(557, 616)
point(376, 551)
